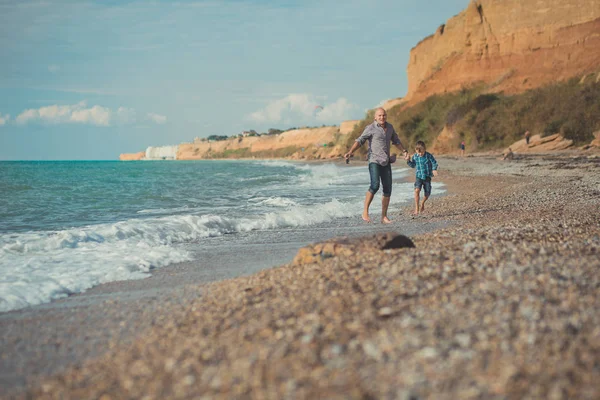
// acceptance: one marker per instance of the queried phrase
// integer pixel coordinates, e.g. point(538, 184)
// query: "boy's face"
point(420, 152)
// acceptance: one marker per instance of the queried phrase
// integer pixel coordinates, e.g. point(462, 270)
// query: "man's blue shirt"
point(425, 165)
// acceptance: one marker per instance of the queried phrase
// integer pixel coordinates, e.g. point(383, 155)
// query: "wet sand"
point(497, 300)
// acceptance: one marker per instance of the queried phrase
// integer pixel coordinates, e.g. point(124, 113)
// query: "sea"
point(67, 226)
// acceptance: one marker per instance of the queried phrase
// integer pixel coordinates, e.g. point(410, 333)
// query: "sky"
point(88, 80)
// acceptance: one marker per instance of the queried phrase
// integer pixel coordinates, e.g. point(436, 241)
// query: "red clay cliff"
point(509, 45)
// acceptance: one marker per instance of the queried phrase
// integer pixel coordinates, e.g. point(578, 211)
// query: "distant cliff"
point(132, 156)
point(509, 45)
point(161, 152)
point(296, 143)
point(307, 143)
point(152, 153)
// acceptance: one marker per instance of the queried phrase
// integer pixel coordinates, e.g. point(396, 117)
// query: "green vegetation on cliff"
point(488, 121)
point(245, 152)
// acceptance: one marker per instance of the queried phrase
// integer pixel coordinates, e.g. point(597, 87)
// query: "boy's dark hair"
point(421, 145)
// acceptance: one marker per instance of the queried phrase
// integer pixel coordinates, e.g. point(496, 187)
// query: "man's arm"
point(354, 147)
point(396, 142)
point(401, 148)
point(359, 142)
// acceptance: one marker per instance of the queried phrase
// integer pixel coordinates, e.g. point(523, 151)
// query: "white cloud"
point(76, 113)
point(125, 116)
point(301, 108)
point(157, 118)
point(338, 111)
point(96, 116)
point(285, 108)
point(380, 104)
point(384, 103)
point(4, 119)
point(80, 113)
point(26, 116)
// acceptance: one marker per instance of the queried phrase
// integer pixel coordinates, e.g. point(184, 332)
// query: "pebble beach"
point(498, 301)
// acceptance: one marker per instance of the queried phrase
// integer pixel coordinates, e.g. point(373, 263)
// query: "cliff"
point(508, 45)
point(306, 143)
point(296, 143)
point(132, 156)
point(161, 153)
point(347, 127)
point(152, 153)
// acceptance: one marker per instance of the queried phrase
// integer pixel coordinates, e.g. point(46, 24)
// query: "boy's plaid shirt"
point(425, 165)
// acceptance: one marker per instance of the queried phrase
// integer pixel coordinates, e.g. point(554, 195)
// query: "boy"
point(426, 169)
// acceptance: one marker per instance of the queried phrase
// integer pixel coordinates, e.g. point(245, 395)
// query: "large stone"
point(539, 144)
point(343, 246)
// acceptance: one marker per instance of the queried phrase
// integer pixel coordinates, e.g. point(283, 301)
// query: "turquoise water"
point(68, 226)
point(60, 195)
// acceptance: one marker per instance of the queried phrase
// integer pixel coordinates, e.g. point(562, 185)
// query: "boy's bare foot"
point(416, 212)
point(366, 218)
point(423, 207)
point(386, 220)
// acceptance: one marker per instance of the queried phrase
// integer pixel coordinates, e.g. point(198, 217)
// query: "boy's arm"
point(434, 164)
point(410, 162)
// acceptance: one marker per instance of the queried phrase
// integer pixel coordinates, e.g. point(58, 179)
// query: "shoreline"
point(41, 340)
point(238, 336)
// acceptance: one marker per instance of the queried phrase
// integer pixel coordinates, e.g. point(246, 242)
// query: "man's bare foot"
point(366, 218)
point(386, 220)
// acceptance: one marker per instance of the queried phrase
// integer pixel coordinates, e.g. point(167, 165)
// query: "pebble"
point(502, 303)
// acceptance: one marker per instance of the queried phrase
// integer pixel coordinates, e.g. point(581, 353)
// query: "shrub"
point(576, 129)
point(484, 101)
point(553, 127)
point(494, 120)
point(218, 138)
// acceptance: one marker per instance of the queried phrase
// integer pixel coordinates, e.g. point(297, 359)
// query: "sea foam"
point(37, 267)
point(150, 215)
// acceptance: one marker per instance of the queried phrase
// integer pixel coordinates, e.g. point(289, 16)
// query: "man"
point(379, 134)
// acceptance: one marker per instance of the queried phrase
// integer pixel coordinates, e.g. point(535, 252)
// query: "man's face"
point(380, 116)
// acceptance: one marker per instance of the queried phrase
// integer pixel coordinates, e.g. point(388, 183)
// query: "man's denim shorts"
point(425, 184)
point(378, 172)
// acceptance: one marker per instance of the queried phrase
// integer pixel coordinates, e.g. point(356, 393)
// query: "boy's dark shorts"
point(425, 184)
